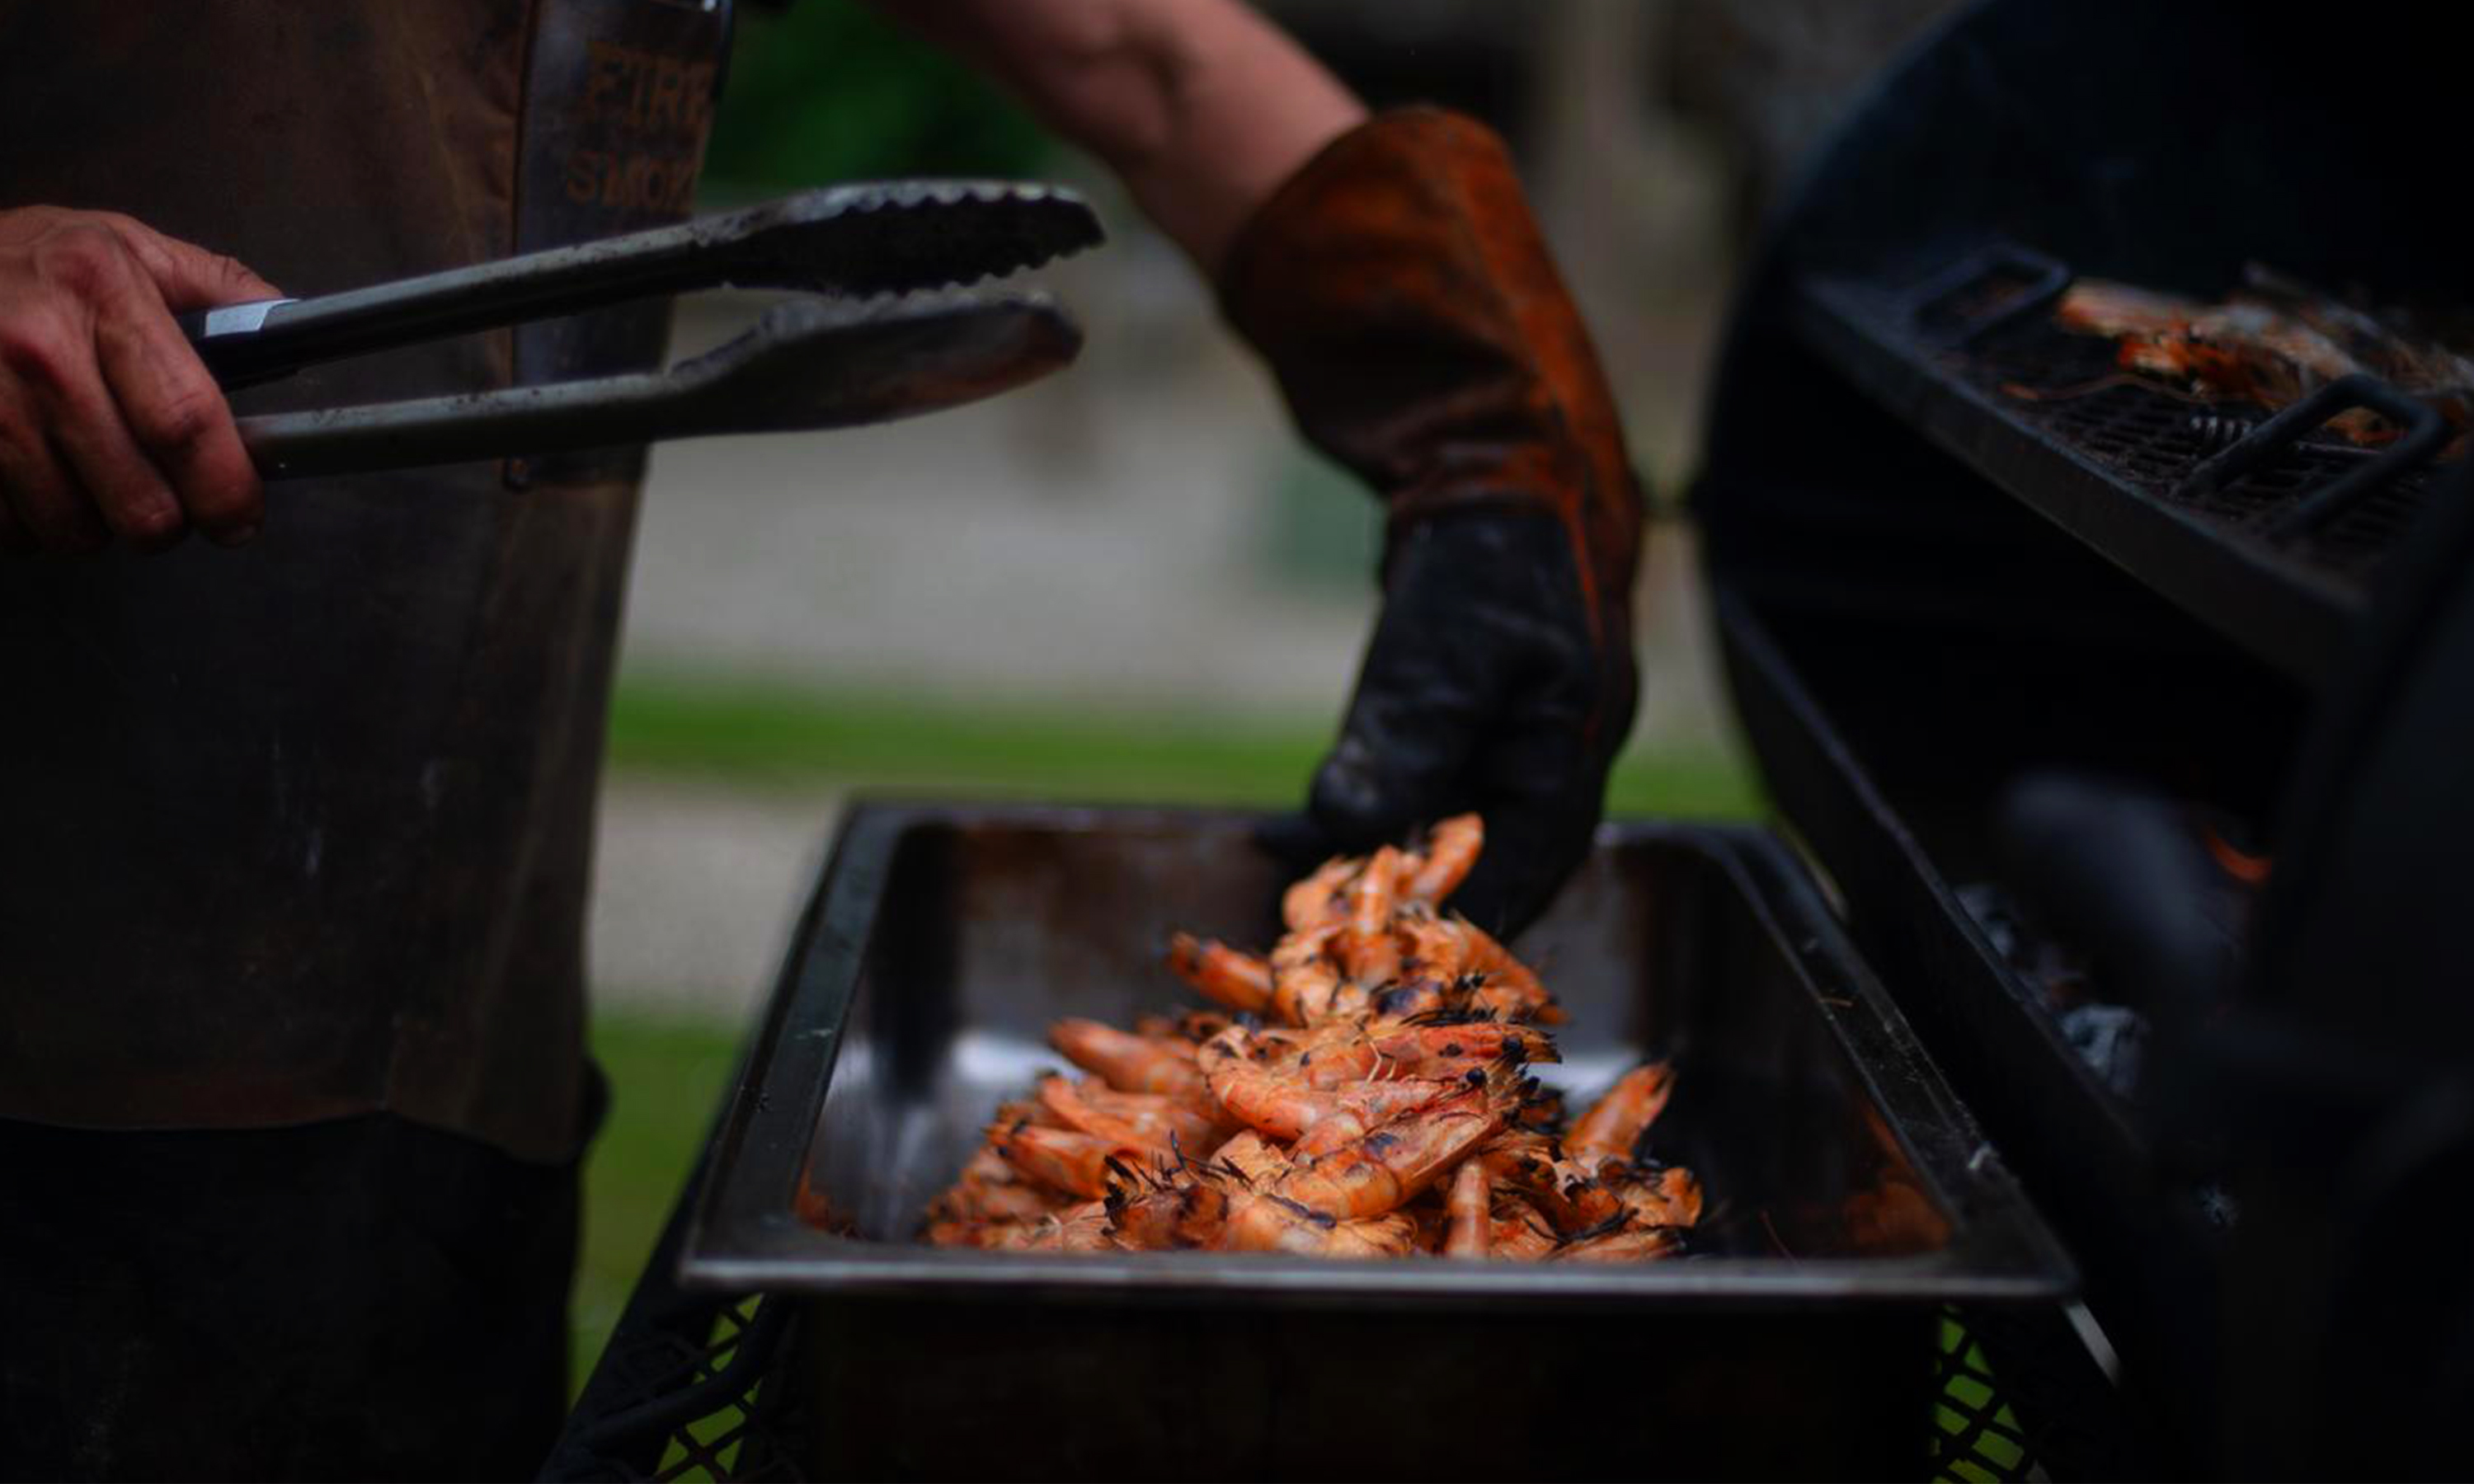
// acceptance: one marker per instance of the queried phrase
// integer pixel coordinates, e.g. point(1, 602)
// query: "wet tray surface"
point(942, 942)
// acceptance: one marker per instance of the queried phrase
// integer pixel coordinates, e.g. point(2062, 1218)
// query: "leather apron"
point(302, 829)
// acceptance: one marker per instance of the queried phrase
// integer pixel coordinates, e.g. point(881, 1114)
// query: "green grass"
point(666, 1074)
point(1970, 1445)
point(761, 733)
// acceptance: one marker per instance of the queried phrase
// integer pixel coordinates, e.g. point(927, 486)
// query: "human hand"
point(1483, 688)
point(1423, 337)
point(109, 426)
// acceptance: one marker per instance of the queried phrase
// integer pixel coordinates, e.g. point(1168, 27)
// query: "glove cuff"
point(1405, 299)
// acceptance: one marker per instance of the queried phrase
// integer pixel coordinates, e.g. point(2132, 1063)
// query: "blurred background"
point(1130, 581)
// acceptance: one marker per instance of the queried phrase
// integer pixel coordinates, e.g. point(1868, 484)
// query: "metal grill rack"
point(2261, 527)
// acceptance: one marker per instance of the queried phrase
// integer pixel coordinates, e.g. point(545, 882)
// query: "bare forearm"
point(1201, 106)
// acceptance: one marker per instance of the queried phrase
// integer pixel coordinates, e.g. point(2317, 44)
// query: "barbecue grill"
point(1931, 588)
point(1945, 584)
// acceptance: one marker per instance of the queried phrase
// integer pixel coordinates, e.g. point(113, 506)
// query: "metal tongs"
point(897, 335)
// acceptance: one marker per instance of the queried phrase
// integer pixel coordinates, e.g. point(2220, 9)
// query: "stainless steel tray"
point(941, 942)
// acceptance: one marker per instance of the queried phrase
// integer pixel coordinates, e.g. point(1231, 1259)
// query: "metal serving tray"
point(943, 941)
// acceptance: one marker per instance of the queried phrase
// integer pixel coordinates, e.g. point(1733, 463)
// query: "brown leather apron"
point(302, 829)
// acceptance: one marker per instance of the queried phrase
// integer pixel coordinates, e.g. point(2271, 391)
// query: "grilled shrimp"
point(1367, 950)
point(1453, 1051)
point(1249, 1160)
point(1075, 1162)
point(1507, 1152)
point(1206, 1211)
point(1171, 1214)
point(1471, 1208)
point(1319, 1058)
point(1307, 986)
point(989, 1189)
point(1664, 1197)
point(1129, 1062)
point(987, 1201)
point(1306, 946)
point(1435, 948)
point(1575, 1199)
point(1544, 1110)
point(1149, 1120)
point(1314, 992)
point(1274, 1093)
point(1520, 1232)
point(1411, 998)
point(1639, 1244)
point(1394, 1235)
point(1614, 1122)
point(1332, 1055)
point(1349, 1114)
point(1385, 1113)
point(1193, 1027)
point(1026, 1110)
point(1321, 898)
point(1081, 1227)
point(947, 1231)
point(1271, 1223)
point(1382, 1171)
point(1510, 989)
point(1221, 973)
point(1452, 847)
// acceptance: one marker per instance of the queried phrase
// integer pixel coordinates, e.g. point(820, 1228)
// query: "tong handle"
point(809, 363)
point(850, 239)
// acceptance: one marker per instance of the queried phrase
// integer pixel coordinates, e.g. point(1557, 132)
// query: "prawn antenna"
point(1607, 1228)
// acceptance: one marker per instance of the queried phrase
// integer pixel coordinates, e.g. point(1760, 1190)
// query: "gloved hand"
point(1400, 291)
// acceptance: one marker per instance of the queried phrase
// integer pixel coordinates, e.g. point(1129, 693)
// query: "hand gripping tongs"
point(898, 334)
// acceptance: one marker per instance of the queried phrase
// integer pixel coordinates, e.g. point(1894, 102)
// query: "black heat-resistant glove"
point(1481, 689)
point(1400, 291)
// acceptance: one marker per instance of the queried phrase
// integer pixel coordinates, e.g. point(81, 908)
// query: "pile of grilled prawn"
point(2272, 342)
point(1359, 1091)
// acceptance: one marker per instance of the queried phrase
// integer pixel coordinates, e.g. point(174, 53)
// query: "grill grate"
point(2153, 440)
point(2260, 555)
